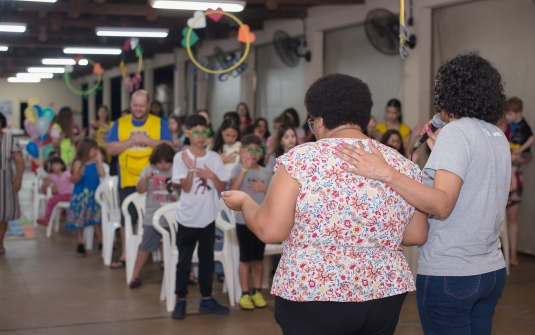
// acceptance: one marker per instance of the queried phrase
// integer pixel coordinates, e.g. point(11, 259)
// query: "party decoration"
point(31, 114)
point(134, 41)
point(132, 82)
point(69, 69)
point(214, 14)
point(123, 68)
point(97, 69)
point(90, 90)
point(33, 101)
point(30, 129)
point(126, 45)
point(201, 23)
point(139, 51)
point(243, 31)
point(190, 40)
point(48, 114)
point(38, 109)
point(47, 149)
point(42, 126)
point(193, 37)
point(33, 149)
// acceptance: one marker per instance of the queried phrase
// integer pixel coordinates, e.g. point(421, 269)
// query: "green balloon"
point(48, 113)
point(47, 149)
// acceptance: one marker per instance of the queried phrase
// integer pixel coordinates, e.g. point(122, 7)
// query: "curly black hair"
point(162, 153)
point(340, 99)
point(469, 86)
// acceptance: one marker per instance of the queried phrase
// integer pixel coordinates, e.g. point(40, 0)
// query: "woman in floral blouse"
point(342, 270)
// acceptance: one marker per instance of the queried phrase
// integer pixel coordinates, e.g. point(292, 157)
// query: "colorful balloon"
point(31, 114)
point(38, 109)
point(42, 126)
point(30, 129)
point(33, 101)
point(42, 138)
point(33, 149)
point(47, 149)
point(48, 113)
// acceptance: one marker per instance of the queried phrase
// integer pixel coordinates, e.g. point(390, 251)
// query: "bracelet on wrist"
point(244, 169)
point(192, 170)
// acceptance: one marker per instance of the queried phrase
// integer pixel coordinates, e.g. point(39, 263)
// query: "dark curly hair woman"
point(461, 270)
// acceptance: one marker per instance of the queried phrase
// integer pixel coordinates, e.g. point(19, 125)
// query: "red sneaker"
point(42, 222)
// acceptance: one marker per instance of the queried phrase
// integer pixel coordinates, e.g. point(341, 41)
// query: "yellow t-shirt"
point(404, 130)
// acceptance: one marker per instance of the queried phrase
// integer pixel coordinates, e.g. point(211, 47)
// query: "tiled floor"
point(45, 289)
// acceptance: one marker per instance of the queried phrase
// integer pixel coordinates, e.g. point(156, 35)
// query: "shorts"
point(251, 248)
point(151, 239)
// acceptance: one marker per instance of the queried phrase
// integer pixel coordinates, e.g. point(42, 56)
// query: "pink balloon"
point(30, 129)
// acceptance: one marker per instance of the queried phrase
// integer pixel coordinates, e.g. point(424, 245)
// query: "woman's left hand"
point(234, 199)
point(363, 163)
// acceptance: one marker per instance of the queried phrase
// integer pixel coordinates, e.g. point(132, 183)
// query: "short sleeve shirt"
point(160, 192)
point(262, 175)
point(345, 242)
point(198, 207)
point(519, 133)
point(466, 243)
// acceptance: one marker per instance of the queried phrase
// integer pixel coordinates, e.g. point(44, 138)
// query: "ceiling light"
point(46, 70)
point(58, 61)
point(23, 80)
point(12, 27)
point(226, 6)
point(93, 51)
point(50, 1)
point(35, 75)
point(132, 32)
point(83, 62)
point(3, 47)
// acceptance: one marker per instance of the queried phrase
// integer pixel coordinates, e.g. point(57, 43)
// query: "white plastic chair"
point(504, 237)
point(88, 234)
point(39, 198)
point(170, 254)
point(269, 252)
point(107, 196)
point(133, 236)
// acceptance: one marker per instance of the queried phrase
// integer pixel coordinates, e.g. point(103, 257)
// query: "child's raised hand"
point(246, 158)
point(191, 163)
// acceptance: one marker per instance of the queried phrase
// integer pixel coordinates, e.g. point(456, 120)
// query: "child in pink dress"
point(62, 187)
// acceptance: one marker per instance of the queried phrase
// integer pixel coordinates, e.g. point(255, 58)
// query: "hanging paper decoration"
point(200, 23)
point(132, 82)
point(194, 38)
point(214, 14)
point(243, 32)
point(97, 69)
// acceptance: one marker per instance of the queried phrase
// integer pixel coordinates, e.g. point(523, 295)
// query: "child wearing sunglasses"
point(252, 179)
point(202, 177)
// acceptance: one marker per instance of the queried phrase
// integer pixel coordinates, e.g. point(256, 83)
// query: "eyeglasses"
point(200, 133)
point(254, 151)
point(311, 125)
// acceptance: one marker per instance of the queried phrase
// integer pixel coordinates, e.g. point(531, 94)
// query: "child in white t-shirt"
point(202, 177)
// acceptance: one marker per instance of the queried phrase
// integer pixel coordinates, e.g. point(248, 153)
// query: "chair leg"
point(162, 291)
point(35, 210)
point(89, 233)
point(229, 279)
point(57, 220)
point(52, 221)
point(268, 260)
point(107, 246)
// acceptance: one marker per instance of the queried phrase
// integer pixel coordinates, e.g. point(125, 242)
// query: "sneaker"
point(246, 302)
point(136, 282)
point(100, 247)
point(258, 300)
point(42, 222)
point(212, 306)
point(180, 310)
point(80, 250)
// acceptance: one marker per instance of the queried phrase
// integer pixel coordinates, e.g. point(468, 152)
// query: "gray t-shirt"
point(159, 192)
point(466, 243)
point(262, 174)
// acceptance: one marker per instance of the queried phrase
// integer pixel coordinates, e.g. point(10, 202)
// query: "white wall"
point(51, 92)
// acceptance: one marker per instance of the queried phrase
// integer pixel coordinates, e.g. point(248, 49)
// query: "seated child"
point(155, 180)
point(252, 179)
point(60, 178)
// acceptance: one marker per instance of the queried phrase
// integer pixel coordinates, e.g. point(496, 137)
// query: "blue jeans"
point(459, 305)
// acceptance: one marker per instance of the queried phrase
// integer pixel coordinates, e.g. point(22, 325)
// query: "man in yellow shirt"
point(132, 138)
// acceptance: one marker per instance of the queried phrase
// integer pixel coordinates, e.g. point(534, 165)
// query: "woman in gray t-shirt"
point(461, 270)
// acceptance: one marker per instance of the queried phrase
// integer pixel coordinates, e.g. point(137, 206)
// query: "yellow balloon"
point(31, 114)
point(33, 101)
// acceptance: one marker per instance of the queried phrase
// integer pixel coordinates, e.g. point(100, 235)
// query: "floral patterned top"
point(345, 242)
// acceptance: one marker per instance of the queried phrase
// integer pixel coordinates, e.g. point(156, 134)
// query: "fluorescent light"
point(131, 32)
point(3, 47)
point(35, 75)
point(12, 27)
point(227, 6)
point(23, 80)
point(46, 70)
point(58, 61)
point(83, 62)
point(93, 51)
point(49, 1)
